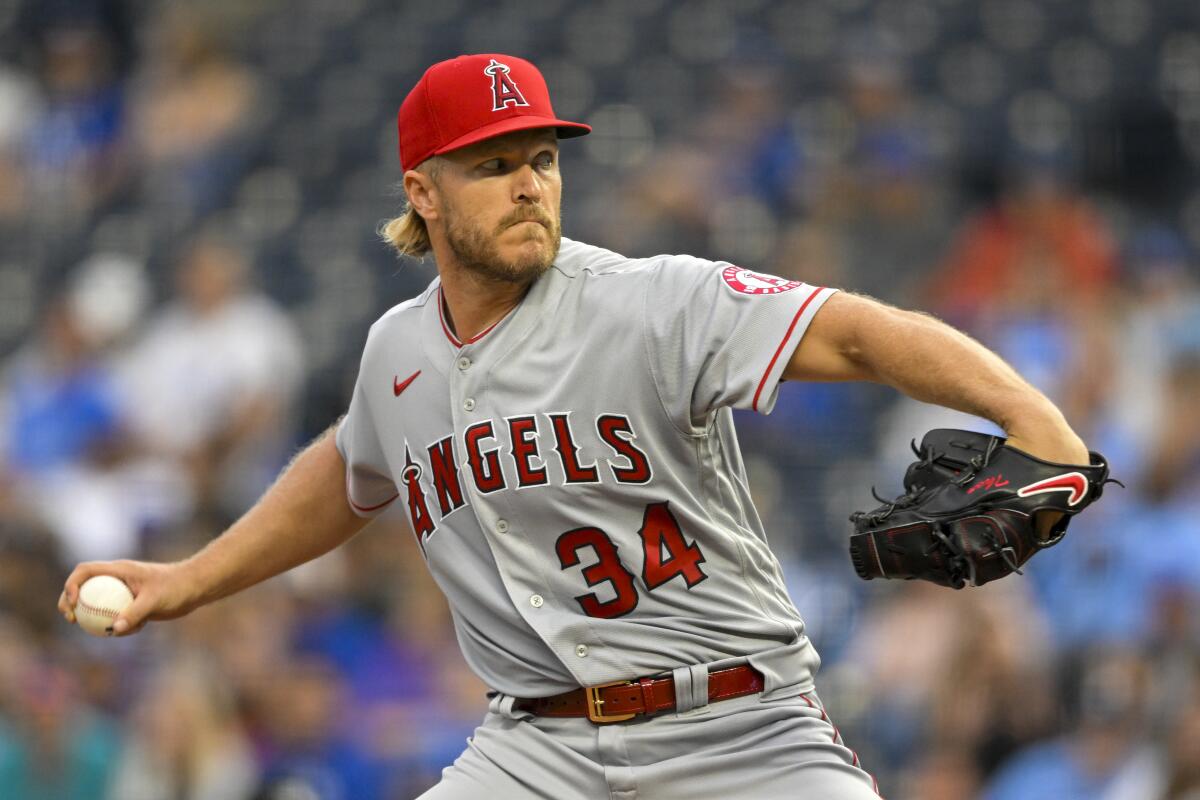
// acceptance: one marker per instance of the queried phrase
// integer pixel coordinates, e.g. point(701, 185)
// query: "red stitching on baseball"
point(106, 612)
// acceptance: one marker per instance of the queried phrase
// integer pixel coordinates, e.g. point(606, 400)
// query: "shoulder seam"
point(662, 403)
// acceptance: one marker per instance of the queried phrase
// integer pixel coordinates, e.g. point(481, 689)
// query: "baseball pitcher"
point(555, 421)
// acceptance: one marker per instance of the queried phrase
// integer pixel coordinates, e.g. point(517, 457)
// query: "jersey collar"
point(454, 340)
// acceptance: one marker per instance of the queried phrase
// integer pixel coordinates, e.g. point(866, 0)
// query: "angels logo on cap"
point(746, 282)
point(504, 89)
point(471, 98)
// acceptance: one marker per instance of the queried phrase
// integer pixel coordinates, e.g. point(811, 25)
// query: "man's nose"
point(527, 185)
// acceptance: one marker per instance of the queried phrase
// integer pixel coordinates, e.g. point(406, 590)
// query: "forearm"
point(303, 515)
point(932, 362)
point(855, 338)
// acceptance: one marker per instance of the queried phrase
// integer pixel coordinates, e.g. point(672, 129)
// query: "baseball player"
point(555, 420)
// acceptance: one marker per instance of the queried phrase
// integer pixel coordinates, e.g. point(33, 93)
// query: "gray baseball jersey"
point(572, 474)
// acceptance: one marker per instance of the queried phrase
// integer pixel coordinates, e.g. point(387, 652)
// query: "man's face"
point(500, 203)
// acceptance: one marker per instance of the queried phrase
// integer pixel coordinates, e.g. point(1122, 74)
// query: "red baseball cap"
point(472, 98)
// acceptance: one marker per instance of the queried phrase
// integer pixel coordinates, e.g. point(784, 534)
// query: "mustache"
point(527, 214)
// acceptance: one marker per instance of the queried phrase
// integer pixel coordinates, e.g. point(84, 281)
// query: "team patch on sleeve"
point(743, 281)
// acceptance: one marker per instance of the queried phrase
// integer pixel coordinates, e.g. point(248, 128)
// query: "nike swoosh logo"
point(399, 386)
point(1072, 482)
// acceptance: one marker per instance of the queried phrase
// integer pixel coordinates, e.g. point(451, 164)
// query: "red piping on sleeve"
point(778, 350)
point(366, 509)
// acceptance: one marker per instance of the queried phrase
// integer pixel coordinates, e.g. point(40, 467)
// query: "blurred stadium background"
point(188, 266)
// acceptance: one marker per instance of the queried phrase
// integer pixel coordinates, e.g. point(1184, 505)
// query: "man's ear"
point(422, 192)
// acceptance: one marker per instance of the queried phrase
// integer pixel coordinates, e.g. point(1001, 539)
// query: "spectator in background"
point(958, 684)
point(215, 379)
point(1155, 320)
point(1172, 475)
point(31, 564)
point(185, 740)
point(192, 110)
point(52, 746)
point(61, 418)
point(54, 743)
point(19, 105)
point(74, 150)
point(1030, 277)
point(972, 708)
point(1181, 773)
point(61, 406)
point(1108, 586)
point(1105, 756)
point(1040, 249)
point(250, 642)
point(881, 194)
point(943, 773)
point(718, 188)
point(747, 132)
point(1171, 654)
point(309, 753)
point(410, 696)
point(666, 205)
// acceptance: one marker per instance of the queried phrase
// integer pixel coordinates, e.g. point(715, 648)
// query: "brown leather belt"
point(622, 700)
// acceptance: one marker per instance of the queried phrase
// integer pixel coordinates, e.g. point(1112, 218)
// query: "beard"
point(479, 252)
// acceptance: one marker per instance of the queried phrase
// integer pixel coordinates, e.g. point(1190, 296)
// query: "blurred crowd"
point(188, 265)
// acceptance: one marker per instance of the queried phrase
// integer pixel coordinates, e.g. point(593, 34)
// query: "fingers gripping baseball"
point(157, 593)
point(136, 614)
point(70, 593)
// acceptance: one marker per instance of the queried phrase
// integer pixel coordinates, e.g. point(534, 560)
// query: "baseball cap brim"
point(563, 128)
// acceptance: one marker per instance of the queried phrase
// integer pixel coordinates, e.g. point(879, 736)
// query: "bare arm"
point(303, 515)
point(856, 338)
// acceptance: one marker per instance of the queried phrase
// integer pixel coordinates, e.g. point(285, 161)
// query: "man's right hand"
point(160, 591)
point(305, 514)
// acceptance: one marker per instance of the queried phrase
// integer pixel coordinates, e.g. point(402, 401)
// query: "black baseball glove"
point(970, 511)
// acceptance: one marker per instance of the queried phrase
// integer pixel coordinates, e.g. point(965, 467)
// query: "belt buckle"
point(595, 706)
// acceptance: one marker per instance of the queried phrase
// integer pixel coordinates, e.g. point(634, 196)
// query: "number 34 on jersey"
point(666, 552)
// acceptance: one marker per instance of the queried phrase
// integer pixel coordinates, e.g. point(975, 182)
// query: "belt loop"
point(649, 701)
point(504, 705)
point(699, 685)
point(683, 689)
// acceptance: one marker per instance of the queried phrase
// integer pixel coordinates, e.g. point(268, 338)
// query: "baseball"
point(101, 599)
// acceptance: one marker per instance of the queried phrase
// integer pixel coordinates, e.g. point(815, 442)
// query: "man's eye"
point(492, 164)
point(545, 160)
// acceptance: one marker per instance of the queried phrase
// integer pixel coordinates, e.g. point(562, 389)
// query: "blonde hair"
point(408, 233)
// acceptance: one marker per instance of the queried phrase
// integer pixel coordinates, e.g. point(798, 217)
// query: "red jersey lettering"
point(445, 475)
point(485, 466)
point(524, 435)
point(618, 434)
point(568, 453)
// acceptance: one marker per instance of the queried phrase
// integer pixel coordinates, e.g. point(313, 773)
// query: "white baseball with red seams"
point(101, 599)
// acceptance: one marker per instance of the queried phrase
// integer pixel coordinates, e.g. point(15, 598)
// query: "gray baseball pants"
point(745, 748)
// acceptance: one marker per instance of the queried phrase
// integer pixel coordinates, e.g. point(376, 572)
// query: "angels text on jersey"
point(517, 452)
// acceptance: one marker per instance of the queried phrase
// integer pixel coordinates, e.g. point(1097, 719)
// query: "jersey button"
point(502, 526)
point(469, 404)
point(464, 363)
point(536, 601)
point(581, 650)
